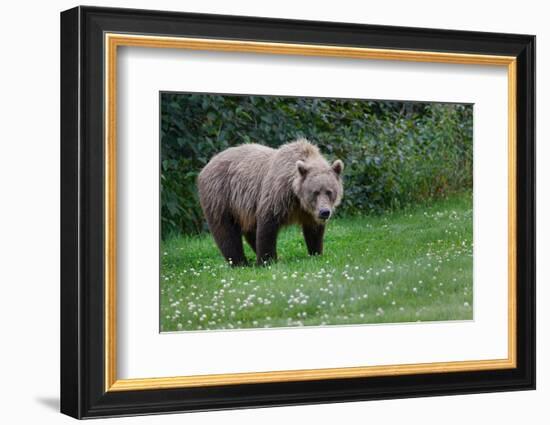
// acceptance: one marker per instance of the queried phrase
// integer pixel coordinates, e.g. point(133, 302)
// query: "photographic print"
point(270, 185)
point(310, 210)
point(298, 211)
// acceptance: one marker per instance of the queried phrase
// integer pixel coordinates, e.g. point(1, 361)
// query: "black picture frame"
point(83, 392)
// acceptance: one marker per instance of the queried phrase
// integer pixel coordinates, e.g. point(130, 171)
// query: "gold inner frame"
point(113, 41)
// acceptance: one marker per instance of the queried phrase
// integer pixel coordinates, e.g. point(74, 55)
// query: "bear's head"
point(319, 187)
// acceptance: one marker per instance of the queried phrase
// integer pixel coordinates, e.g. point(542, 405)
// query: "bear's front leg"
point(313, 234)
point(266, 240)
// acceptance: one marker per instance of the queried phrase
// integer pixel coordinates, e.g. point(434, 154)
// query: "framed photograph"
point(261, 212)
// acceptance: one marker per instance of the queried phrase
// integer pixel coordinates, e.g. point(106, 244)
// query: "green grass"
point(402, 267)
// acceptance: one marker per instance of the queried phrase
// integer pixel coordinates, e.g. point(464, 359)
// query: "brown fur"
point(254, 190)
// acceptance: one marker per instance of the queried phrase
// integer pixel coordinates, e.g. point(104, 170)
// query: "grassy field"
point(403, 267)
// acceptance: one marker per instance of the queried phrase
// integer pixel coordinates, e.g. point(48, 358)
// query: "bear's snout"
point(324, 213)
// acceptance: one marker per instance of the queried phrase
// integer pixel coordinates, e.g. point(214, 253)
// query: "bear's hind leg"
point(313, 234)
point(228, 236)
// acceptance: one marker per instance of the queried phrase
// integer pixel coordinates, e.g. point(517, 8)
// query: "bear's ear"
point(338, 166)
point(302, 168)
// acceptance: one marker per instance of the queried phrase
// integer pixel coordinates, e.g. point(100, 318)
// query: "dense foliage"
point(395, 153)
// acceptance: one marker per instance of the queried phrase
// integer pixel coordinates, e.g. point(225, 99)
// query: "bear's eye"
point(329, 193)
point(316, 193)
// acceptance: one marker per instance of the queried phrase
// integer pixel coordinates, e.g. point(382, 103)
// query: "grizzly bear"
point(254, 190)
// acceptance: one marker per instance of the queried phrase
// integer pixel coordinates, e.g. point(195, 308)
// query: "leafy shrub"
point(395, 153)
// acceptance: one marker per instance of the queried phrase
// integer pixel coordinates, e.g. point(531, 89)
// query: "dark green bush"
point(396, 153)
